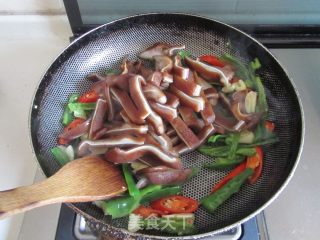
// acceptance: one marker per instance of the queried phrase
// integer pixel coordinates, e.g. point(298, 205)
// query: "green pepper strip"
point(132, 188)
point(223, 163)
point(222, 151)
point(79, 109)
point(81, 106)
point(214, 200)
point(167, 191)
point(67, 114)
point(60, 155)
point(242, 71)
point(123, 206)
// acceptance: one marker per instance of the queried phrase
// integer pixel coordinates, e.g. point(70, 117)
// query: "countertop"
point(27, 47)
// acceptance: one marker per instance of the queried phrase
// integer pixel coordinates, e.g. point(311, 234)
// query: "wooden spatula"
point(82, 180)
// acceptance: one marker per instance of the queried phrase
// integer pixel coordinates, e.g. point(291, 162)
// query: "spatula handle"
point(22, 199)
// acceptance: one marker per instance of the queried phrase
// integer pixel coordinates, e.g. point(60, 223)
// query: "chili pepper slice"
point(175, 204)
point(72, 125)
point(236, 171)
point(269, 126)
point(255, 162)
point(212, 60)
point(148, 211)
point(89, 97)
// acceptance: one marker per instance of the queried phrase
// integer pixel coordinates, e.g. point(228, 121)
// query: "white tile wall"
point(27, 47)
point(31, 6)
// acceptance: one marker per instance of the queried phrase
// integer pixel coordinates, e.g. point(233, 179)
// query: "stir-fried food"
point(144, 118)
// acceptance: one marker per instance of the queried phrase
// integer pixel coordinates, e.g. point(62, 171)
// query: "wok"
point(104, 48)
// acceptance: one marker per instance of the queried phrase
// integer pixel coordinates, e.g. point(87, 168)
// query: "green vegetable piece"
point(67, 114)
point(232, 140)
point(224, 163)
point(214, 200)
point(262, 105)
point(149, 189)
point(215, 138)
point(81, 106)
point(154, 195)
point(212, 151)
point(255, 64)
point(183, 54)
point(73, 98)
point(79, 109)
point(132, 188)
point(60, 155)
point(120, 207)
point(246, 151)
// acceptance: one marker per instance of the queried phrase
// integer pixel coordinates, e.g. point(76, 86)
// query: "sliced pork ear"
point(175, 141)
point(189, 117)
point(126, 102)
point(211, 93)
point(164, 175)
point(160, 49)
point(172, 100)
point(128, 66)
point(163, 63)
point(171, 132)
point(184, 132)
point(156, 122)
point(137, 95)
point(171, 49)
point(187, 86)
point(88, 146)
point(207, 113)
point(152, 92)
point(210, 73)
point(155, 78)
point(118, 155)
point(95, 77)
point(200, 81)
point(125, 128)
point(162, 141)
point(167, 77)
point(203, 135)
point(109, 101)
point(165, 111)
point(98, 117)
point(154, 50)
point(120, 81)
point(178, 69)
point(76, 132)
point(196, 103)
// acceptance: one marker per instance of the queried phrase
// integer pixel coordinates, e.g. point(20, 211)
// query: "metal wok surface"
point(104, 47)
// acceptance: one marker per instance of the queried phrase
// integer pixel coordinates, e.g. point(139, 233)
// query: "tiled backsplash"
point(31, 6)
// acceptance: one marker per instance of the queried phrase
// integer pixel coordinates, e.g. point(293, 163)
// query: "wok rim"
point(196, 236)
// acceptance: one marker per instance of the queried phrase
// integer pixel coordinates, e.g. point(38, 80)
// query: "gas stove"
point(72, 226)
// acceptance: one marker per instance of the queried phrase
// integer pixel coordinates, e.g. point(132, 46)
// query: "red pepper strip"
point(255, 162)
point(148, 211)
point(212, 60)
point(89, 97)
point(236, 171)
point(269, 126)
point(72, 125)
point(175, 204)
